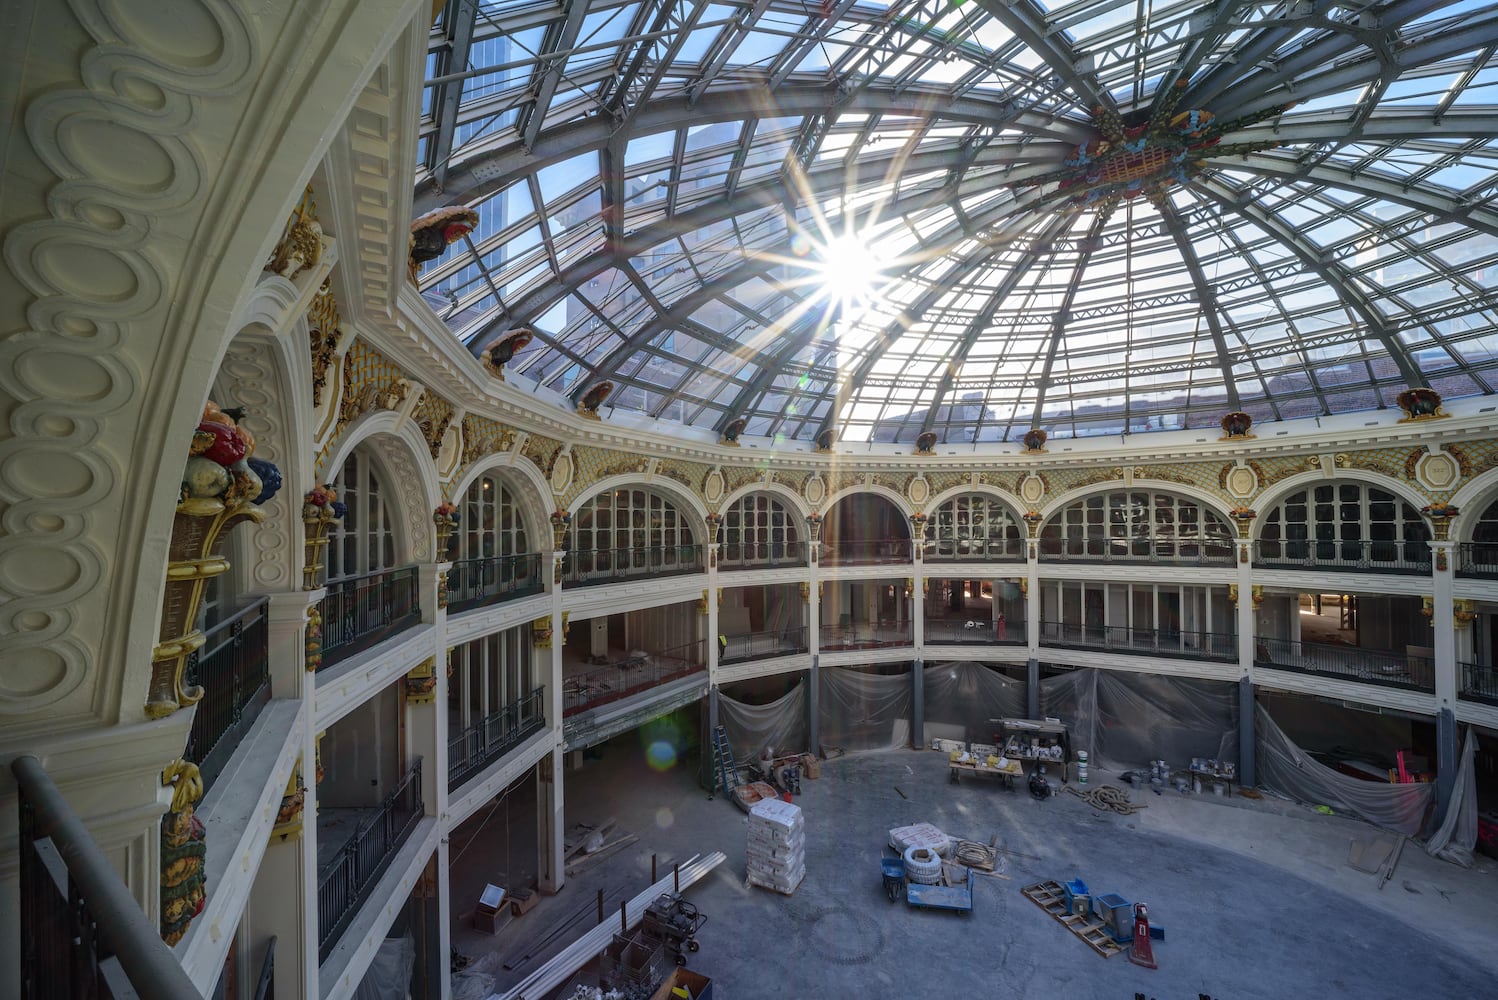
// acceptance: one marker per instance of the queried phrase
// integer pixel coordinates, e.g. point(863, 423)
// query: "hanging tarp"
point(962, 698)
point(1457, 835)
point(860, 711)
point(780, 724)
point(1145, 717)
point(1286, 768)
point(1072, 698)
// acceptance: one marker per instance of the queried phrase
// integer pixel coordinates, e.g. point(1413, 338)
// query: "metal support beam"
point(1247, 745)
point(1032, 689)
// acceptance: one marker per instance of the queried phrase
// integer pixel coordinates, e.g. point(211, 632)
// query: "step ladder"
point(727, 772)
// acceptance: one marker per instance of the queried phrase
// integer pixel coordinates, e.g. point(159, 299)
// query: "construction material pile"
point(776, 852)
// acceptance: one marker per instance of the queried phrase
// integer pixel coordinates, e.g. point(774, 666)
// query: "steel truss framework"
point(659, 180)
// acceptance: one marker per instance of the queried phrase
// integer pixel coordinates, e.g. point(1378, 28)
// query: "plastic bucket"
point(1081, 767)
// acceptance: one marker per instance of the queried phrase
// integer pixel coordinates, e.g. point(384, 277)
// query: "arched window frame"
point(758, 528)
point(975, 526)
point(365, 539)
point(1347, 523)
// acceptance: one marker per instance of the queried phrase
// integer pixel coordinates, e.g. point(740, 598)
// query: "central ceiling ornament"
point(1124, 162)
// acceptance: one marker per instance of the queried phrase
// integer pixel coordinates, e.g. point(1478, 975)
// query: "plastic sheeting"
point(1126, 720)
point(961, 699)
point(1457, 835)
point(1286, 768)
point(780, 724)
point(859, 711)
point(389, 973)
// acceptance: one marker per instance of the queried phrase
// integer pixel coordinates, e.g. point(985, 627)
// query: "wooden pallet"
point(1050, 897)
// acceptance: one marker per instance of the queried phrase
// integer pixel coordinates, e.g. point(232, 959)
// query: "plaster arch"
point(406, 463)
point(901, 504)
point(1194, 493)
point(687, 503)
point(1003, 496)
point(1472, 499)
point(1271, 498)
point(793, 501)
point(257, 373)
point(529, 488)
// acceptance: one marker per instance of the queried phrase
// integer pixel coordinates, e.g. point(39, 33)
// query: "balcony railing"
point(866, 635)
point(475, 583)
point(634, 673)
point(763, 645)
point(1477, 559)
point(493, 736)
point(1172, 551)
point(1371, 666)
point(344, 883)
point(974, 550)
point(761, 555)
point(1348, 557)
point(82, 934)
point(865, 551)
point(359, 612)
point(975, 632)
point(1479, 682)
point(1144, 641)
point(233, 668)
point(594, 566)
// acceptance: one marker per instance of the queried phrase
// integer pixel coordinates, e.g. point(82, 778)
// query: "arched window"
point(491, 525)
point(974, 526)
point(1137, 525)
point(630, 532)
point(1480, 556)
point(364, 541)
point(759, 531)
point(1346, 525)
point(493, 561)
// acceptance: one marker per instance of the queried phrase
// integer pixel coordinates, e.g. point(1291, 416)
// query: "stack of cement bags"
point(776, 851)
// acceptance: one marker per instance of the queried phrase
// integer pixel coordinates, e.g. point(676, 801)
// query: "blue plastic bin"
point(1117, 914)
point(1074, 888)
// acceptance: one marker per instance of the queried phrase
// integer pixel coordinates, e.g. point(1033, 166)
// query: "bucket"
point(1081, 767)
point(786, 796)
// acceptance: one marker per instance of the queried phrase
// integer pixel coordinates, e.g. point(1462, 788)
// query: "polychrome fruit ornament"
point(229, 445)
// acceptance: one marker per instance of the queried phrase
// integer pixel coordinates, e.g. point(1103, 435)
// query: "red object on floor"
point(1141, 952)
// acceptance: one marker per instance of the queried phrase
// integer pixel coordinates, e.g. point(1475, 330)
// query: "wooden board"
point(1050, 898)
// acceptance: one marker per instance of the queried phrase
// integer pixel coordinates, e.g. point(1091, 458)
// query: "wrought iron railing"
point(1477, 559)
point(1174, 551)
point(82, 934)
point(974, 550)
point(762, 645)
point(1371, 666)
point(975, 631)
point(761, 555)
point(595, 566)
point(866, 635)
point(630, 675)
point(493, 736)
point(1347, 557)
point(864, 551)
point(1479, 682)
point(359, 612)
point(233, 668)
point(1145, 641)
point(475, 583)
point(345, 882)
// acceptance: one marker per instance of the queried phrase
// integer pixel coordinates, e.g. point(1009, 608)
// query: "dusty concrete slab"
point(1256, 897)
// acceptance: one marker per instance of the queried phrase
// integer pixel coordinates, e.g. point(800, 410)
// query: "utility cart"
point(937, 897)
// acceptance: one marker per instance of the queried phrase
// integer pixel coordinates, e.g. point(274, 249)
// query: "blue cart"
point(937, 897)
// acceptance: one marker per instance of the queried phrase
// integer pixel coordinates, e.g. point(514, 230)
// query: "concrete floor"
point(1255, 896)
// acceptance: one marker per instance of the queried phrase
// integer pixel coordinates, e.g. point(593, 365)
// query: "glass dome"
point(873, 221)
